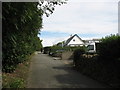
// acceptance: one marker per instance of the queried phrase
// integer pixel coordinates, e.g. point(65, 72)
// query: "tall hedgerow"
point(109, 48)
point(21, 22)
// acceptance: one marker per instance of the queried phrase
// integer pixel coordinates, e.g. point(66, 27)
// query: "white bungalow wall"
point(75, 41)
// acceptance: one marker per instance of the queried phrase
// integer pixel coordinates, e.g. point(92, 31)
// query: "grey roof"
point(69, 39)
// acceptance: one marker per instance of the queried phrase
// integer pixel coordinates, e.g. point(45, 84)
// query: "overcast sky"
point(87, 18)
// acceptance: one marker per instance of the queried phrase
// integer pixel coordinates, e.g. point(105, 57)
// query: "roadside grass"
point(17, 79)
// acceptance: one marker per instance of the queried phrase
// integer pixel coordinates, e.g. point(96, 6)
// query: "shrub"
point(17, 83)
point(77, 56)
point(105, 67)
point(109, 48)
point(13, 82)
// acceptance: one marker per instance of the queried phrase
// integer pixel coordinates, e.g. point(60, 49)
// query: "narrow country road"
point(45, 72)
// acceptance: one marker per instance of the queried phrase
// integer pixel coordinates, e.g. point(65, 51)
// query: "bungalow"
point(74, 40)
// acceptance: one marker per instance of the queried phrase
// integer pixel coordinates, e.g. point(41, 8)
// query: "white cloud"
point(87, 13)
point(94, 0)
point(52, 41)
point(83, 17)
point(47, 41)
point(83, 28)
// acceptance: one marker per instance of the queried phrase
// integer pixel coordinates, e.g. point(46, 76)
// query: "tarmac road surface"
point(46, 72)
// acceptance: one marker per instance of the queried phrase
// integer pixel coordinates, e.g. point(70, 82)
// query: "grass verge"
point(18, 78)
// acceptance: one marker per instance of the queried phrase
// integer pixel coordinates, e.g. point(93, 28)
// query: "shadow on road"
point(74, 79)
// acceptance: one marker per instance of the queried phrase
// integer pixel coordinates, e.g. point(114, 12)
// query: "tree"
point(48, 6)
point(21, 24)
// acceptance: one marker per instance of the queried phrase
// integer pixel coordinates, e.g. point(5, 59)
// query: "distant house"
point(74, 40)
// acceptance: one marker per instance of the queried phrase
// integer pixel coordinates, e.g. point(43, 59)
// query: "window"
point(90, 47)
point(74, 40)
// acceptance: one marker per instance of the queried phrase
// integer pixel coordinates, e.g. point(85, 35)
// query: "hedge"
point(105, 67)
point(21, 25)
point(109, 48)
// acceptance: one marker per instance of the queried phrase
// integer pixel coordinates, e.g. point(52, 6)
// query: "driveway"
point(47, 72)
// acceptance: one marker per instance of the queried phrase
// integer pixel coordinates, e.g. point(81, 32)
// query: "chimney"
point(71, 35)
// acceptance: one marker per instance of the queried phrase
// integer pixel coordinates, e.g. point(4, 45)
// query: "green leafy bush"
point(78, 56)
point(105, 67)
point(58, 49)
point(17, 83)
point(13, 82)
point(21, 24)
point(66, 48)
point(109, 48)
